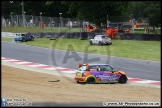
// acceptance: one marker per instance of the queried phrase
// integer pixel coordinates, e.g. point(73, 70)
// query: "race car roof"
point(95, 64)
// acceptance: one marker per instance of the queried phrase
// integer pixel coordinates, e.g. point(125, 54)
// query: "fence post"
point(17, 20)
point(50, 22)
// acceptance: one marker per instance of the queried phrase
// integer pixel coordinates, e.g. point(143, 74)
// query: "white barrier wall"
point(8, 34)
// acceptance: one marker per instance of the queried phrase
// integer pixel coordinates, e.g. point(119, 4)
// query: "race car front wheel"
point(90, 80)
point(123, 79)
point(110, 43)
point(100, 43)
point(32, 39)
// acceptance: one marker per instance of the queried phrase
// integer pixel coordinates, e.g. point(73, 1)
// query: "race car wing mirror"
point(87, 66)
point(113, 69)
point(79, 65)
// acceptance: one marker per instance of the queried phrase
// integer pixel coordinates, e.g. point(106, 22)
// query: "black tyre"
point(100, 43)
point(90, 42)
point(123, 79)
point(90, 80)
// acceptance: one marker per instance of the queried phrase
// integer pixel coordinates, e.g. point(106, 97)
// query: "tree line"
point(95, 12)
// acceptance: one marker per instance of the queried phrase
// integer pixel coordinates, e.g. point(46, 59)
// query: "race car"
point(99, 73)
point(101, 40)
point(23, 37)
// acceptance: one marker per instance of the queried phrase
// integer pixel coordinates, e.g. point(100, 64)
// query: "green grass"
point(146, 50)
point(17, 29)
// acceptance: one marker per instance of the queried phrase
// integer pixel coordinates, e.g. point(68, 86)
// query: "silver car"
point(101, 40)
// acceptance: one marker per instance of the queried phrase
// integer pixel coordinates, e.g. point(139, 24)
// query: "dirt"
point(35, 87)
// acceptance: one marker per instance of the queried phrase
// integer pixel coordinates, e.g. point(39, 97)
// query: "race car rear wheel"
point(110, 43)
point(90, 80)
point(123, 79)
point(100, 43)
point(23, 40)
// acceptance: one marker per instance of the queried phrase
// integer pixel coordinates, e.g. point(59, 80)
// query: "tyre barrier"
point(83, 35)
point(144, 37)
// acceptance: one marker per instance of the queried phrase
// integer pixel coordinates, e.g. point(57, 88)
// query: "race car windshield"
point(18, 35)
point(83, 68)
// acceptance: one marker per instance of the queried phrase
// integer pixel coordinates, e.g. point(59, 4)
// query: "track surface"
point(35, 87)
point(67, 71)
point(134, 68)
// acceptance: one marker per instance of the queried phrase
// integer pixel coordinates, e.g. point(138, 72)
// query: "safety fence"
point(42, 21)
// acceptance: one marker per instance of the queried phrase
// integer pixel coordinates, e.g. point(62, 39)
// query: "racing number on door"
point(95, 40)
point(79, 74)
point(114, 75)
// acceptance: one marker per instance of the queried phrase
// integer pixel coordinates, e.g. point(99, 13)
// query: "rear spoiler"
point(80, 65)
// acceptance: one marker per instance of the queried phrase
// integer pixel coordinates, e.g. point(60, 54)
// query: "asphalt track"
point(143, 69)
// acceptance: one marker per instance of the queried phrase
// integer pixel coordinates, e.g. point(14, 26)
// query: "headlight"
point(103, 40)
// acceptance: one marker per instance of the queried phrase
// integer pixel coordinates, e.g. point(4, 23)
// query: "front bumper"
point(79, 79)
point(17, 39)
point(107, 42)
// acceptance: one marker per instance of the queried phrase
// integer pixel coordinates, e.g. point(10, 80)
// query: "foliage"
point(130, 48)
point(95, 12)
point(154, 14)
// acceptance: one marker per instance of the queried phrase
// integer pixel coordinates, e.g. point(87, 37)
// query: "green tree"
point(151, 10)
point(97, 12)
point(154, 14)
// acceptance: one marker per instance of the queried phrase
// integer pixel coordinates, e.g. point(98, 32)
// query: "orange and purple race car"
point(99, 73)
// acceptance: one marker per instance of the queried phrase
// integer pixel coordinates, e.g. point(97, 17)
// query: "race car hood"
point(18, 36)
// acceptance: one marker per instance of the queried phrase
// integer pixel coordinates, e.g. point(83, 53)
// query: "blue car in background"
point(23, 37)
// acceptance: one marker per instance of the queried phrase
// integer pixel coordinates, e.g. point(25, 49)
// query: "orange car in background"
point(99, 73)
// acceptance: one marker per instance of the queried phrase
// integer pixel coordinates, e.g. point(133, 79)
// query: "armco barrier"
point(85, 35)
point(8, 34)
point(82, 35)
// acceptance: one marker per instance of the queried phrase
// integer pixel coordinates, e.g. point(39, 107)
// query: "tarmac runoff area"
point(35, 86)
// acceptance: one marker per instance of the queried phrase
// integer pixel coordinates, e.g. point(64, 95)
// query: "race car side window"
point(103, 68)
point(91, 67)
